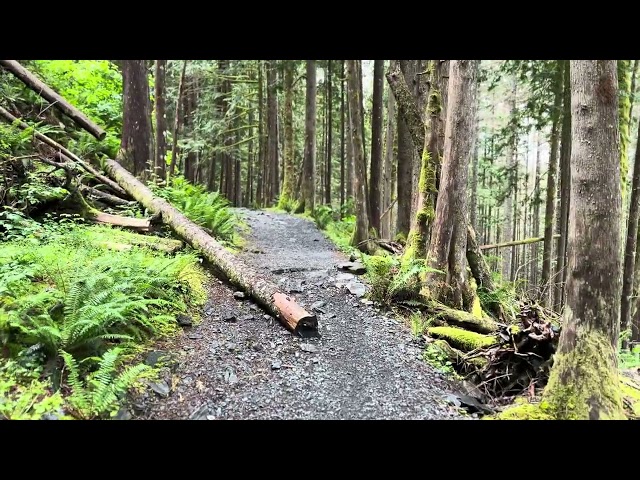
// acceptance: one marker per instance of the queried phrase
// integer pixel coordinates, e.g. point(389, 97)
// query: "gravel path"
point(239, 363)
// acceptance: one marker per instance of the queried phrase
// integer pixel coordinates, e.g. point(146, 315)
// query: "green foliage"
point(340, 232)
point(392, 279)
point(207, 209)
point(322, 216)
point(418, 324)
point(95, 88)
point(62, 293)
point(99, 392)
point(23, 396)
point(438, 359)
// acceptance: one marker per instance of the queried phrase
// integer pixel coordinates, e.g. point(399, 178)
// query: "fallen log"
point(460, 318)
point(46, 92)
point(63, 153)
point(166, 247)
point(514, 243)
point(105, 197)
point(138, 224)
point(262, 290)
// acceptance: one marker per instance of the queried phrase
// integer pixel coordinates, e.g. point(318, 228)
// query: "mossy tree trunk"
point(328, 185)
point(309, 160)
point(584, 380)
point(447, 249)
point(361, 233)
point(176, 121)
point(386, 230)
point(511, 164)
point(289, 167)
point(550, 209)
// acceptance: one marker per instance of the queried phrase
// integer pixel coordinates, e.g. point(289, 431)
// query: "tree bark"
point(288, 184)
point(342, 139)
point(584, 380)
point(376, 145)
point(272, 128)
point(385, 225)
point(327, 194)
point(565, 189)
point(56, 100)
point(510, 158)
point(360, 238)
point(447, 250)
point(550, 209)
point(106, 197)
point(630, 271)
point(262, 290)
point(161, 119)
point(135, 148)
point(309, 161)
point(176, 122)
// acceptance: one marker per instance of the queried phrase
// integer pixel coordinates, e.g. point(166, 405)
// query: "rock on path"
point(364, 365)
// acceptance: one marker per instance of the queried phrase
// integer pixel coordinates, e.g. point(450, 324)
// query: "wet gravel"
point(239, 363)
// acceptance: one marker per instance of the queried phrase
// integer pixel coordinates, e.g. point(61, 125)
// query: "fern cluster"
point(99, 392)
point(207, 209)
point(71, 300)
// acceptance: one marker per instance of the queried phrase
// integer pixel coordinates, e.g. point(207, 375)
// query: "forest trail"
point(242, 364)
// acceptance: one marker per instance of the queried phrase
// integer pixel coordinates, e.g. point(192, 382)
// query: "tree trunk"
point(630, 271)
point(385, 225)
point(309, 161)
point(473, 200)
point(537, 199)
point(376, 145)
point(261, 138)
point(56, 100)
point(161, 119)
point(342, 139)
point(405, 162)
point(584, 380)
point(624, 109)
point(288, 184)
point(272, 125)
point(135, 148)
point(507, 254)
point(327, 190)
point(550, 209)
point(360, 238)
point(447, 250)
point(565, 189)
point(176, 122)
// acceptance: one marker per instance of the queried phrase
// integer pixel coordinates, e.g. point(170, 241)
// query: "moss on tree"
point(584, 382)
point(624, 108)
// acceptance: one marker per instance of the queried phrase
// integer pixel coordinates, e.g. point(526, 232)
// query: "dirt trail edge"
point(240, 363)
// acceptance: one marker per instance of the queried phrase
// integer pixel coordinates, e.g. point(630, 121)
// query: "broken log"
point(262, 290)
point(526, 241)
point(46, 92)
point(138, 224)
point(105, 197)
point(63, 153)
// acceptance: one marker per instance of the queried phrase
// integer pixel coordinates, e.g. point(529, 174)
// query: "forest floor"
point(239, 363)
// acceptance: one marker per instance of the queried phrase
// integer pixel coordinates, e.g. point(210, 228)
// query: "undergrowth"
point(208, 209)
point(72, 313)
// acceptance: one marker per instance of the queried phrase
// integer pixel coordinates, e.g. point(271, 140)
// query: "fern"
point(207, 209)
point(99, 394)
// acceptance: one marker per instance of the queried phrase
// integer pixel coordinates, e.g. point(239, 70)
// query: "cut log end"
point(295, 317)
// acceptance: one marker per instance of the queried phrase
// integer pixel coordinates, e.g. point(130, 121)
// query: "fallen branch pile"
point(517, 360)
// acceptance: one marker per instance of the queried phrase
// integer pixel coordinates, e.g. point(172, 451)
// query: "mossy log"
point(56, 100)
point(514, 243)
point(462, 339)
point(460, 318)
point(255, 285)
